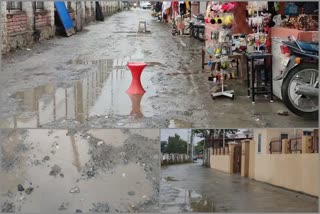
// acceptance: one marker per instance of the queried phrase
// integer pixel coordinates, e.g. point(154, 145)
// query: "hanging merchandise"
point(221, 42)
point(165, 6)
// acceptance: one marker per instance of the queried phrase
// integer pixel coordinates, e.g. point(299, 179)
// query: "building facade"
point(26, 22)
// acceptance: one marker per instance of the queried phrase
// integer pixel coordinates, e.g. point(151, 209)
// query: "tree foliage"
point(175, 145)
point(213, 133)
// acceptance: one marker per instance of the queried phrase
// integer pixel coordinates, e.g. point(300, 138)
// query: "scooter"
point(197, 27)
point(300, 79)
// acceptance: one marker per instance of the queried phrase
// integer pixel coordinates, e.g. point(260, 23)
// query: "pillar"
point(285, 146)
point(231, 153)
point(3, 22)
point(27, 6)
point(306, 144)
point(245, 154)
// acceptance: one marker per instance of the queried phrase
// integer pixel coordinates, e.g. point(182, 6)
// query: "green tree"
point(176, 145)
point(199, 147)
point(214, 133)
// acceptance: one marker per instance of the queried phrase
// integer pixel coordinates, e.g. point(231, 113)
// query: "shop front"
point(275, 46)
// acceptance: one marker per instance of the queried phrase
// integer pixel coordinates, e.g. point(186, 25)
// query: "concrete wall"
point(174, 159)
point(221, 162)
point(299, 172)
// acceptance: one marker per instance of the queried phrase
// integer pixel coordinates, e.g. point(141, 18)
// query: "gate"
point(237, 159)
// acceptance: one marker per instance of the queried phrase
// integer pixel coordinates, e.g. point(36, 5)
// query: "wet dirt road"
point(98, 171)
point(81, 82)
point(192, 187)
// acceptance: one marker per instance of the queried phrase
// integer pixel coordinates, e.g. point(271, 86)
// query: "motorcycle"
point(197, 27)
point(300, 86)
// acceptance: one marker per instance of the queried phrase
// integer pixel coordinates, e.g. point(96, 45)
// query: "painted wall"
point(299, 172)
point(220, 162)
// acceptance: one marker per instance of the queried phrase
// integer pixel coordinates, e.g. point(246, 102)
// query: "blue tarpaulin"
point(65, 17)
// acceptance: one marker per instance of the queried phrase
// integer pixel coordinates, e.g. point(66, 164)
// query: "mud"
point(194, 188)
point(84, 83)
point(81, 175)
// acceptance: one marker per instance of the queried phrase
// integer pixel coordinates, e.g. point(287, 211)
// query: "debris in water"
point(123, 174)
point(283, 113)
point(131, 193)
point(100, 208)
point(55, 170)
point(46, 158)
point(125, 161)
point(29, 190)
point(7, 208)
point(20, 188)
point(75, 190)
point(62, 207)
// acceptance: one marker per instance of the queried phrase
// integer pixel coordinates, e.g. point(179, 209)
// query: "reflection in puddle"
point(174, 199)
point(114, 137)
point(100, 93)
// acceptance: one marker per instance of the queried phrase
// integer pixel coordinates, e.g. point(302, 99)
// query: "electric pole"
point(188, 144)
point(191, 140)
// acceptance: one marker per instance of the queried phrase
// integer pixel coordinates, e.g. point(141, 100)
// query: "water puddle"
point(101, 93)
point(175, 199)
point(51, 164)
point(178, 123)
point(109, 136)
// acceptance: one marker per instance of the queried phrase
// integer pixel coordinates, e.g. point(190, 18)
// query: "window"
point(14, 5)
point(39, 5)
point(259, 143)
point(284, 136)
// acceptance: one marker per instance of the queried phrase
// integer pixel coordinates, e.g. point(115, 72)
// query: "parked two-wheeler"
point(197, 27)
point(300, 86)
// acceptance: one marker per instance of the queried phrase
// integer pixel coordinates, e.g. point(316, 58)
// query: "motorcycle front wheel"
point(303, 105)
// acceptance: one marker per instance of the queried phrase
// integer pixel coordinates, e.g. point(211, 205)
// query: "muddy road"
point(81, 82)
point(57, 171)
point(194, 188)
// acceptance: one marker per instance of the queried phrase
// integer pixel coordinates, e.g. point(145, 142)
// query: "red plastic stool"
point(136, 105)
point(136, 69)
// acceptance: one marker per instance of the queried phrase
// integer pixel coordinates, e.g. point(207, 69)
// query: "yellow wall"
point(220, 162)
point(297, 172)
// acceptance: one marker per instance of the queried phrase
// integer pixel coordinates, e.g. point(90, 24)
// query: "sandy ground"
point(50, 171)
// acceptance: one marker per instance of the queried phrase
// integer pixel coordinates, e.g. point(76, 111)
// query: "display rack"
point(221, 41)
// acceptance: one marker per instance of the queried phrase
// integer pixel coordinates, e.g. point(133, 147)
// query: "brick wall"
point(16, 22)
point(42, 19)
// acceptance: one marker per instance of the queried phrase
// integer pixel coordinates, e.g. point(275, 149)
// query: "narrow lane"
point(192, 187)
point(81, 81)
